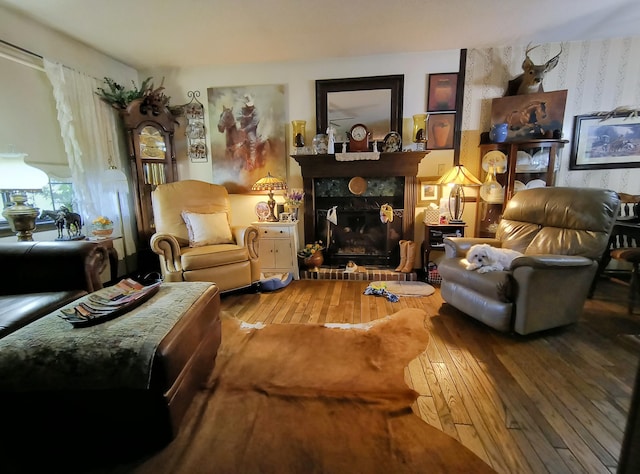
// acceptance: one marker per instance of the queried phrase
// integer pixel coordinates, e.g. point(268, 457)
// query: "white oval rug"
point(406, 288)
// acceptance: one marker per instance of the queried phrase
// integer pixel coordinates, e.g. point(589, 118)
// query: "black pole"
point(457, 127)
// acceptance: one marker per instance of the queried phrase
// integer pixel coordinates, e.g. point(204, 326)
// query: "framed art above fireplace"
point(374, 101)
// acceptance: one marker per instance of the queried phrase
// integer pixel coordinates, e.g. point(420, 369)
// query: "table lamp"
point(458, 177)
point(17, 178)
point(271, 184)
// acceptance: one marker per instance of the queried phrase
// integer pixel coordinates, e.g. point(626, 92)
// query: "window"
point(57, 193)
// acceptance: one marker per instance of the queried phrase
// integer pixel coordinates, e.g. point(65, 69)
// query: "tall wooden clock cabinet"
point(150, 127)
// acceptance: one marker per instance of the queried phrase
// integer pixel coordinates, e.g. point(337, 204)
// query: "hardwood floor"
point(555, 402)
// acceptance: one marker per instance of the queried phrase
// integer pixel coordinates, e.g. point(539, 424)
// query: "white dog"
point(486, 258)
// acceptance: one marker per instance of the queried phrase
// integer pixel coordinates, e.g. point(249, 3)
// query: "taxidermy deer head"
point(530, 81)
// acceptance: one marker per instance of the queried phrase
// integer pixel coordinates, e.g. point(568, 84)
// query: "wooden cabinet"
point(150, 127)
point(278, 247)
point(434, 235)
point(515, 166)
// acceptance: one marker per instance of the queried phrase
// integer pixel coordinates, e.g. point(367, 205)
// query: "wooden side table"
point(434, 235)
point(113, 254)
point(278, 245)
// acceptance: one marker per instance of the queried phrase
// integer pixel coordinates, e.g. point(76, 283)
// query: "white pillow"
point(207, 229)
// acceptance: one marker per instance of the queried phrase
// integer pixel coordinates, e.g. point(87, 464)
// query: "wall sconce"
point(271, 184)
point(458, 177)
point(17, 178)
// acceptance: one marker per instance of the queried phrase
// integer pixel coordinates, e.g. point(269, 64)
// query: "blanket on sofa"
point(51, 354)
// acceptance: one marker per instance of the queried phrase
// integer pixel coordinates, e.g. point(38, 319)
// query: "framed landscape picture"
point(429, 190)
point(601, 144)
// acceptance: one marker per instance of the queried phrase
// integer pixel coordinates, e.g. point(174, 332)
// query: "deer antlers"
point(531, 80)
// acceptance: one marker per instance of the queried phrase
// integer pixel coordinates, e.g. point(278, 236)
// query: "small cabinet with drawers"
point(278, 246)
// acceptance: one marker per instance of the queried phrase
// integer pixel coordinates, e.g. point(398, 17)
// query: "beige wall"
point(300, 78)
point(599, 76)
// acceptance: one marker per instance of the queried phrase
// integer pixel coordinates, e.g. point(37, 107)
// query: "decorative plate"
point(541, 159)
point(262, 210)
point(392, 142)
point(492, 196)
point(518, 186)
point(536, 183)
point(495, 158)
point(358, 185)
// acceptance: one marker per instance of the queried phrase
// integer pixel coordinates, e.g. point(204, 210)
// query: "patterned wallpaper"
point(599, 76)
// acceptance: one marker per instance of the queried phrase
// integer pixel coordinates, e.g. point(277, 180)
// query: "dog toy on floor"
point(381, 290)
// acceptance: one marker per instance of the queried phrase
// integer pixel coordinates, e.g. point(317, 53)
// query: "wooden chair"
point(623, 245)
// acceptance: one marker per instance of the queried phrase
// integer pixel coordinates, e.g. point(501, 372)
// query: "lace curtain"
point(90, 135)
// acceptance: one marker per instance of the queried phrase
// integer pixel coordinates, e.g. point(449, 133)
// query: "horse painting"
point(246, 152)
point(529, 115)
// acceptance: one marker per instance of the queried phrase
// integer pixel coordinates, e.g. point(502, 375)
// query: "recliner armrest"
point(551, 261)
point(167, 246)
point(248, 237)
point(457, 247)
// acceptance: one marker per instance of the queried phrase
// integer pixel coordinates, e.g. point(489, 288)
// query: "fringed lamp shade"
point(458, 177)
point(270, 183)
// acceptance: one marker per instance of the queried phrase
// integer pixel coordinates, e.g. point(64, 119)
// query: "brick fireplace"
point(358, 233)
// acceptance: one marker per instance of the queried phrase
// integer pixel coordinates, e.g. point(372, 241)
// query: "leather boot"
point(410, 247)
point(403, 255)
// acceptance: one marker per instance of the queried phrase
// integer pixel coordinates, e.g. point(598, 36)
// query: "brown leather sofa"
point(40, 277)
point(562, 232)
point(231, 262)
point(77, 426)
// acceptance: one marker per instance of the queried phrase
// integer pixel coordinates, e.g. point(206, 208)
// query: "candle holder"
point(419, 136)
point(298, 128)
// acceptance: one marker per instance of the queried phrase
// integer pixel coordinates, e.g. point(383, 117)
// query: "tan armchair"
point(562, 232)
point(209, 249)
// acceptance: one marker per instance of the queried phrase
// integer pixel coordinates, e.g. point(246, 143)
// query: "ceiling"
point(147, 34)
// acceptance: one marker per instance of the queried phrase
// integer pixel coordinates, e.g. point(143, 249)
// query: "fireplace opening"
point(350, 225)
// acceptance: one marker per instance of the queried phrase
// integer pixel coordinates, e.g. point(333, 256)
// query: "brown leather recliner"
point(231, 264)
point(562, 232)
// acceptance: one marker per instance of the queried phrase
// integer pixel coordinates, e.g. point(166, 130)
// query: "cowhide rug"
point(295, 398)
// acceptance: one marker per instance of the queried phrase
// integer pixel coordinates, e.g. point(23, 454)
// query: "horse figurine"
point(72, 221)
point(239, 147)
point(58, 218)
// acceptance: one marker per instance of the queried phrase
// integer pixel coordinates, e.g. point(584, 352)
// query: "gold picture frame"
point(429, 191)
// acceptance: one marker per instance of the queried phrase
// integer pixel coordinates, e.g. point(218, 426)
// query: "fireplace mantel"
point(390, 164)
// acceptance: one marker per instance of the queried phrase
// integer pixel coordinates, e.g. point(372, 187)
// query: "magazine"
point(109, 302)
